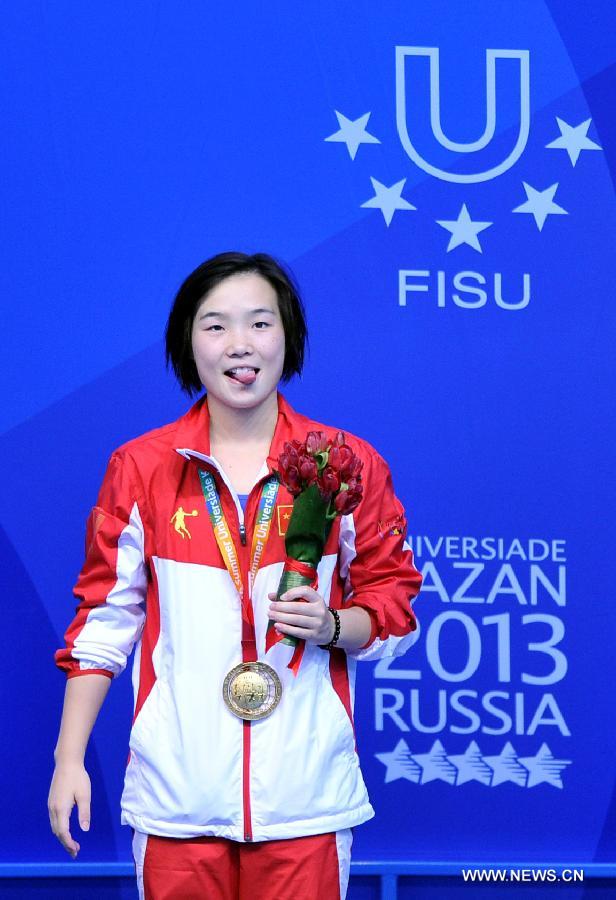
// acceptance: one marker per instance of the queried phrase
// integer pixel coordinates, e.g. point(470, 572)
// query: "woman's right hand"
point(70, 785)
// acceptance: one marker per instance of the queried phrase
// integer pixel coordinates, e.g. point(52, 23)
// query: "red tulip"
point(291, 451)
point(316, 442)
point(329, 481)
point(346, 501)
point(308, 469)
point(333, 458)
point(355, 467)
point(292, 480)
point(342, 459)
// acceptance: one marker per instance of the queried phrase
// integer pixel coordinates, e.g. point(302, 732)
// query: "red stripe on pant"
point(304, 868)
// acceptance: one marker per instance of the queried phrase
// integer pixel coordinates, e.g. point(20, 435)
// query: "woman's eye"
point(213, 326)
point(262, 323)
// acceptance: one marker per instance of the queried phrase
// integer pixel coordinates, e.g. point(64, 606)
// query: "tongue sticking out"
point(246, 377)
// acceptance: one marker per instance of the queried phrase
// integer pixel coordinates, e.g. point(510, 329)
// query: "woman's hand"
point(311, 621)
point(70, 785)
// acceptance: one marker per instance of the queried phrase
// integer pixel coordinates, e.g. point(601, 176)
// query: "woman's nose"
point(240, 341)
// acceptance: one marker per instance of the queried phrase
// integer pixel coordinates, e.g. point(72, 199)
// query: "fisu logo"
point(468, 214)
point(402, 114)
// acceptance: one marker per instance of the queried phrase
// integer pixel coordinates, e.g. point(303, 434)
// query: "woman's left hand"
point(311, 621)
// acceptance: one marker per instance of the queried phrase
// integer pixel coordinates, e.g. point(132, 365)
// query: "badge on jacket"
point(389, 527)
point(284, 517)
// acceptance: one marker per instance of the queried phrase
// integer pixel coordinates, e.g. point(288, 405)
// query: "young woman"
point(226, 805)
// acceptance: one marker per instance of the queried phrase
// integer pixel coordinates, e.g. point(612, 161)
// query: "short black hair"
point(194, 289)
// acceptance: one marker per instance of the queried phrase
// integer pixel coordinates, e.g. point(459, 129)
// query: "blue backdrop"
point(439, 177)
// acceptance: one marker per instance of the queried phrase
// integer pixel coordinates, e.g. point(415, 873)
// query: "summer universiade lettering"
point(212, 496)
point(271, 490)
point(258, 552)
point(266, 517)
point(262, 528)
point(269, 497)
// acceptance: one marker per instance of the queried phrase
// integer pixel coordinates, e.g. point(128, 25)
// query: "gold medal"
point(252, 690)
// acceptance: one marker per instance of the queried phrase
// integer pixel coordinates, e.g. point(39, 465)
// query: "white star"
point(506, 767)
point(544, 767)
point(400, 763)
point(470, 765)
point(573, 139)
point(388, 199)
point(435, 765)
point(463, 230)
point(541, 204)
point(352, 132)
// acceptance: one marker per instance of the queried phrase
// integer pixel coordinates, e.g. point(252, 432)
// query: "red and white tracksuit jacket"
point(195, 768)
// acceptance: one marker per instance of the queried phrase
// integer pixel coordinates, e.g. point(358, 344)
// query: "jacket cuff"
point(75, 673)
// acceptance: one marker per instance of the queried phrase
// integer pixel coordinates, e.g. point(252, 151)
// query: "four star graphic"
point(352, 132)
point(573, 139)
point(437, 765)
point(388, 199)
point(541, 204)
point(464, 230)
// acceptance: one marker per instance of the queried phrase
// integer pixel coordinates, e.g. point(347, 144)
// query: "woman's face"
point(238, 327)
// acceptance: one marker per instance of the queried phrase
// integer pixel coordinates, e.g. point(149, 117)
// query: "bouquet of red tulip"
point(324, 479)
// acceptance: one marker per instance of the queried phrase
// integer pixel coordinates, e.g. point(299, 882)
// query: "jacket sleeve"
point(111, 587)
point(377, 564)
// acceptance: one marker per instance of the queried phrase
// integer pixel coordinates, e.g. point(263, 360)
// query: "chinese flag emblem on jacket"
point(284, 517)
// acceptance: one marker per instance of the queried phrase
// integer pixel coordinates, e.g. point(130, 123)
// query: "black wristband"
point(334, 640)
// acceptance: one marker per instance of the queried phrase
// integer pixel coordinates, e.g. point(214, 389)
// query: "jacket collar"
point(193, 432)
